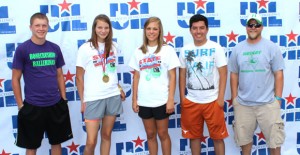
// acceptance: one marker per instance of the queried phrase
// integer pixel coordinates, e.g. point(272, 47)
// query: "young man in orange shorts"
point(203, 72)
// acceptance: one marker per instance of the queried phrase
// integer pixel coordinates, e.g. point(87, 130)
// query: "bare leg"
point(106, 130)
point(92, 128)
point(56, 149)
point(162, 128)
point(151, 131)
point(246, 149)
point(219, 147)
point(30, 152)
point(195, 146)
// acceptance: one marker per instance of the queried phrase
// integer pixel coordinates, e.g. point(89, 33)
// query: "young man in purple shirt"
point(44, 108)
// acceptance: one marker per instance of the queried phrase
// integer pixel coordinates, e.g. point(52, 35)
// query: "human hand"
point(135, 107)
point(170, 107)
point(220, 101)
point(82, 107)
point(123, 96)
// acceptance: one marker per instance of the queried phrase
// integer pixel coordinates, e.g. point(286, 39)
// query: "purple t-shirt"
point(39, 65)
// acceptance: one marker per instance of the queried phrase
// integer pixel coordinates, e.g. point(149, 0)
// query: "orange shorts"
point(193, 116)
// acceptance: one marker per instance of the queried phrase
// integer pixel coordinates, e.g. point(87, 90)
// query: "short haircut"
point(196, 18)
point(39, 16)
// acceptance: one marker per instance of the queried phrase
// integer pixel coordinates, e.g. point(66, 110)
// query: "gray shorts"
point(267, 117)
point(96, 110)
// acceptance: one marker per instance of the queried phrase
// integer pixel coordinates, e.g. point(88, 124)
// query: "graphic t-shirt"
point(95, 65)
point(255, 65)
point(39, 65)
point(153, 87)
point(202, 76)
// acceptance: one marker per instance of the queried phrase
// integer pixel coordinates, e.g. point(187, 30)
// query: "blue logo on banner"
point(5, 22)
point(229, 41)
point(14, 120)
point(207, 146)
point(290, 109)
point(68, 17)
point(177, 44)
point(10, 51)
point(71, 89)
point(133, 14)
point(266, 9)
point(138, 146)
point(259, 145)
point(187, 9)
point(72, 149)
point(7, 98)
point(290, 44)
point(174, 119)
point(228, 109)
point(119, 125)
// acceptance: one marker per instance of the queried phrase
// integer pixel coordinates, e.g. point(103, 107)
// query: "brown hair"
point(108, 39)
point(39, 16)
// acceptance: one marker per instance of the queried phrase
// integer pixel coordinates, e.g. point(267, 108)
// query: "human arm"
point(182, 83)
point(123, 96)
point(234, 78)
point(222, 84)
point(136, 79)
point(279, 83)
point(61, 83)
point(16, 86)
point(80, 85)
point(172, 86)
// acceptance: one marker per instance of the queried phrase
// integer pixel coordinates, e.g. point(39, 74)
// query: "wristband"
point(278, 98)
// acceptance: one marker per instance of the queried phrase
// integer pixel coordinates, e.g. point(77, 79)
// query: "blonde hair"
point(160, 40)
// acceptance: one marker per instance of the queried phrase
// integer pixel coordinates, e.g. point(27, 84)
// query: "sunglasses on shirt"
point(254, 25)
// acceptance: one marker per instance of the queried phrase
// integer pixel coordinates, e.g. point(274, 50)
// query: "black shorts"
point(158, 113)
point(34, 121)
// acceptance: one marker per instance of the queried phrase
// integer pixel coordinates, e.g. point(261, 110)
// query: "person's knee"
point(90, 145)
point(218, 141)
point(106, 136)
point(163, 135)
point(151, 135)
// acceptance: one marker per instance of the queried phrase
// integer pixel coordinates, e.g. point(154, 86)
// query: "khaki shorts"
point(267, 117)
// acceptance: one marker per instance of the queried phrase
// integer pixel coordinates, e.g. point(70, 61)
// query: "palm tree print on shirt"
point(198, 73)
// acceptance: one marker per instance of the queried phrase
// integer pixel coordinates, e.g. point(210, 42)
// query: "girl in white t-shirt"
point(97, 84)
point(154, 84)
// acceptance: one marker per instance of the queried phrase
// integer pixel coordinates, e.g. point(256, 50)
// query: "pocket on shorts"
point(234, 102)
point(186, 103)
point(235, 130)
point(63, 105)
point(26, 109)
point(277, 134)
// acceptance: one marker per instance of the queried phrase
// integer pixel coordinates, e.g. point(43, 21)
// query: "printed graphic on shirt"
point(200, 64)
point(42, 59)
point(151, 64)
point(252, 62)
point(110, 62)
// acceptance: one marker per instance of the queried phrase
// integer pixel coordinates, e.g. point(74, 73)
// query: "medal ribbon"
point(103, 64)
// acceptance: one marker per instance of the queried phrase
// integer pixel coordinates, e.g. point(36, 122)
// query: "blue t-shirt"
point(255, 64)
point(39, 64)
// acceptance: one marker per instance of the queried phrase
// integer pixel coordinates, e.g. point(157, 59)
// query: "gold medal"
point(105, 78)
